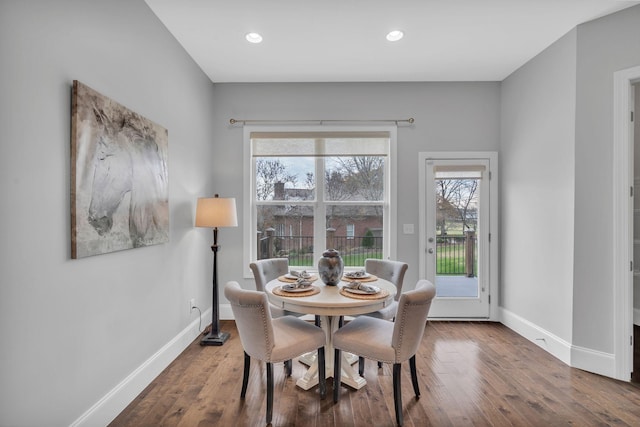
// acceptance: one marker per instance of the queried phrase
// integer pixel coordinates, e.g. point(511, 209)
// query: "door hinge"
point(632, 116)
point(631, 191)
point(631, 340)
point(490, 175)
point(489, 237)
point(489, 299)
point(630, 265)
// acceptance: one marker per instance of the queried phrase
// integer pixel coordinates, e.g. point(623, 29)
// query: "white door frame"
point(623, 221)
point(494, 255)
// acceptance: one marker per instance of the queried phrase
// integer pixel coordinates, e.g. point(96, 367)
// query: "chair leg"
point(245, 377)
point(414, 375)
point(397, 389)
point(269, 392)
point(361, 366)
point(337, 371)
point(317, 320)
point(379, 365)
point(322, 374)
point(288, 366)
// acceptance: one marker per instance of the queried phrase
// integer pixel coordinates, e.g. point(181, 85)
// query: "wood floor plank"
point(470, 374)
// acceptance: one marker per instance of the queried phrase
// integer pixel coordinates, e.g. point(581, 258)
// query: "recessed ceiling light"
point(253, 37)
point(395, 35)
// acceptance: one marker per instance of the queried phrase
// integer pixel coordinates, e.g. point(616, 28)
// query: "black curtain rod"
point(322, 121)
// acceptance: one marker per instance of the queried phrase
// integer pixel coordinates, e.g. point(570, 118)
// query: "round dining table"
point(331, 303)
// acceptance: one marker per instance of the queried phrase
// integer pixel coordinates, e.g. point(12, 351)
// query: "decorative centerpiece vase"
point(330, 267)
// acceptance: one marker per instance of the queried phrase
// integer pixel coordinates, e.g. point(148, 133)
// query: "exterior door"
point(457, 235)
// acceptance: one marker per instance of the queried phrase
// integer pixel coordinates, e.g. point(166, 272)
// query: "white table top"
point(329, 302)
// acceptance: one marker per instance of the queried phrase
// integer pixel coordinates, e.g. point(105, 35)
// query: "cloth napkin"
point(300, 274)
point(362, 287)
point(299, 284)
point(356, 274)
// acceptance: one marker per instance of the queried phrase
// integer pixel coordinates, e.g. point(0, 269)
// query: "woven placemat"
point(371, 278)
point(285, 279)
point(278, 291)
point(382, 294)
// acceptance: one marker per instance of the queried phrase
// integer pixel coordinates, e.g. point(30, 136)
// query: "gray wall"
point(556, 186)
point(448, 117)
point(73, 329)
point(605, 45)
point(537, 188)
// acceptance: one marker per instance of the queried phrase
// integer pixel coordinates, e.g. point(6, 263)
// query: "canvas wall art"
point(119, 177)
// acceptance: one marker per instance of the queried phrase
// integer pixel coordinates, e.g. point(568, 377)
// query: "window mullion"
point(319, 216)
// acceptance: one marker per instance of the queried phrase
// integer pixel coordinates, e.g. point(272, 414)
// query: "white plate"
point(292, 277)
point(292, 289)
point(353, 276)
point(358, 291)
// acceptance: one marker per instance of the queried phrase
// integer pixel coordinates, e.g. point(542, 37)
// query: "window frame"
point(390, 193)
point(351, 231)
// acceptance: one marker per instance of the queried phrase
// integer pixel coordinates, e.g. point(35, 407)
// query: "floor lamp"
point(216, 212)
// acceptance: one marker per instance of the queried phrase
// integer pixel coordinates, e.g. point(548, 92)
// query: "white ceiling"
point(344, 40)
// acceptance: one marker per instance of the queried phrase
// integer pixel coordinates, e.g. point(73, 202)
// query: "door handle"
point(430, 250)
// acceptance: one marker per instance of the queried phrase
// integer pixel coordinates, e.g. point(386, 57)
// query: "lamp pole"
point(215, 337)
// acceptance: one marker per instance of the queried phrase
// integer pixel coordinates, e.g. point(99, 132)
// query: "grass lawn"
point(451, 259)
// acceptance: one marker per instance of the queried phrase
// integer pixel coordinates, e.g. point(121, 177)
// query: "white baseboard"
point(578, 357)
point(116, 400)
point(594, 361)
point(225, 312)
point(553, 344)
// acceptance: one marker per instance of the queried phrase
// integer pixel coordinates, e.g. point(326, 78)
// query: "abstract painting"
point(119, 177)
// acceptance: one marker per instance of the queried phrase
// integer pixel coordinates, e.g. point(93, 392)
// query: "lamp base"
point(218, 339)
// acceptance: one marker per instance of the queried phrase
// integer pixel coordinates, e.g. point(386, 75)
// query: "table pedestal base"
point(349, 376)
point(310, 358)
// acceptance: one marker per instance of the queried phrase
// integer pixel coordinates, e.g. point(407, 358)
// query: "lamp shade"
point(216, 212)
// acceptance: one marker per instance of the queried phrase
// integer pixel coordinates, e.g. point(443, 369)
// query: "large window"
point(312, 190)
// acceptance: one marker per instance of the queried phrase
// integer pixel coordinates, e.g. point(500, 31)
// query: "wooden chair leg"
point(317, 320)
point(397, 389)
point(361, 366)
point(414, 375)
point(269, 392)
point(245, 376)
point(379, 365)
point(337, 371)
point(322, 374)
point(288, 367)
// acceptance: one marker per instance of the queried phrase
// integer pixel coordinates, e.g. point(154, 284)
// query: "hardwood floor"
point(480, 374)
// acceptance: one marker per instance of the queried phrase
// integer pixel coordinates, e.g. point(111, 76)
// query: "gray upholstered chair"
point(272, 340)
point(388, 342)
point(266, 270)
point(393, 271)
